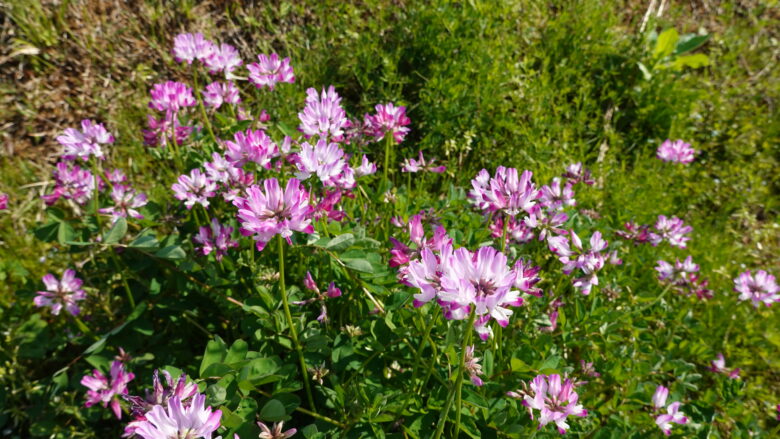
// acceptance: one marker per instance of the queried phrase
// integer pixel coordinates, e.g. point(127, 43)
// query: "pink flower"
point(719, 366)
point(554, 401)
point(215, 238)
point(672, 415)
point(516, 231)
point(555, 197)
point(223, 58)
point(219, 169)
point(177, 421)
point(588, 262)
point(366, 168)
point(332, 292)
point(160, 395)
point(194, 188)
point(677, 151)
point(472, 366)
point(251, 146)
point(218, 93)
point(268, 211)
point(420, 165)
point(276, 432)
point(3, 201)
point(116, 176)
point(323, 115)
point(388, 119)
point(635, 232)
point(505, 192)
point(85, 143)
point(71, 183)
point(672, 230)
point(160, 131)
point(62, 293)
point(126, 202)
point(326, 160)
point(270, 71)
point(189, 47)
point(576, 173)
point(684, 278)
point(171, 97)
point(106, 390)
point(761, 288)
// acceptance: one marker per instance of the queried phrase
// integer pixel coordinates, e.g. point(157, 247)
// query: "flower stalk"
point(455, 390)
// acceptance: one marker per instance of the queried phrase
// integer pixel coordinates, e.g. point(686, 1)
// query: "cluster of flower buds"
point(588, 262)
point(332, 292)
point(683, 277)
point(554, 400)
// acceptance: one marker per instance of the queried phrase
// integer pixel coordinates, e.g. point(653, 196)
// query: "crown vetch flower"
point(547, 222)
point(323, 115)
point(472, 366)
point(177, 421)
point(575, 257)
point(672, 230)
point(107, 390)
point(554, 401)
point(635, 232)
point(673, 413)
point(506, 192)
point(63, 293)
point(171, 96)
point(276, 432)
point(223, 58)
point(126, 202)
point(268, 211)
point(420, 165)
point(189, 47)
point(576, 173)
point(677, 152)
point(116, 176)
point(516, 231)
point(718, 365)
point(215, 238)
point(251, 146)
point(388, 119)
point(220, 169)
point(759, 288)
point(160, 130)
point(555, 197)
point(332, 292)
point(270, 70)
point(71, 183)
point(324, 159)
point(366, 168)
point(684, 278)
point(160, 395)
point(194, 188)
point(218, 93)
point(3, 201)
point(85, 143)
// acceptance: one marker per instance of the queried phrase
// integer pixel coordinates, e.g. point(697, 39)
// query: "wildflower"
point(388, 119)
point(472, 366)
point(576, 173)
point(63, 293)
point(220, 169)
point(268, 211)
point(672, 230)
point(71, 183)
point(215, 238)
point(318, 373)
point(223, 58)
point(105, 390)
point(366, 168)
point(553, 315)
point(505, 192)
point(324, 159)
point(588, 369)
point(401, 254)
point(160, 395)
point(276, 433)
point(527, 277)
point(554, 401)
point(589, 262)
point(759, 288)
point(171, 97)
point(683, 277)
point(719, 366)
point(218, 93)
point(332, 292)
point(555, 197)
point(677, 151)
point(160, 131)
point(635, 232)
point(672, 415)
point(126, 202)
point(548, 222)
point(85, 143)
point(251, 146)
point(177, 421)
point(326, 207)
point(116, 176)
point(516, 231)
point(237, 184)
point(194, 188)
point(189, 47)
point(420, 165)
point(3, 201)
point(270, 70)
point(323, 115)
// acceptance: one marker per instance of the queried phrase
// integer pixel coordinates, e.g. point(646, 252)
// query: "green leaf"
point(117, 232)
point(690, 42)
point(139, 309)
point(666, 43)
point(65, 233)
point(693, 61)
point(145, 242)
point(47, 232)
point(215, 352)
point(172, 252)
point(237, 352)
point(340, 242)
point(359, 265)
point(273, 411)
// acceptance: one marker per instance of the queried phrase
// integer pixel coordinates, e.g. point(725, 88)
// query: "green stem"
point(455, 390)
point(96, 193)
point(291, 324)
point(388, 145)
point(503, 235)
point(129, 293)
point(426, 333)
point(202, 108)
point(175, 144)
point(83, 328)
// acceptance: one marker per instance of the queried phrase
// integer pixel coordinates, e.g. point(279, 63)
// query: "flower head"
point(218, 93)
point(251, 146)
point(683, 277)
point(178, 421)
point(223, 58)
point(677, 152)
point(3, 201)
point(718, 365)
point(323, 115)
point(576, 173)
point(126, 202)
point(472, 366)
point(366, 168)
point(673, 413)
point(759, 288)
point(62, 293)
point(85, 143)
point(324, 159)
point(269, 210)
point(276, 431)
point(171, 96)
point(270, 70)
point(420, 165)
point(557, 197)
point(193, 189)
point(554, 401)
point(160, 130)
point(106, 390)
point(587, 262)
point(215, 238)
point(189, 47)
point(506, 192)
point(160, 395)
point(672, 230)
point(71, 183)
point(388, 119)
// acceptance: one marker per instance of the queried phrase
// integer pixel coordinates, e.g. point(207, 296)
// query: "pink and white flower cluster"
point(216, 57)
point(215, 238)
point(554, 400)
point(85, 143)
point(676, 152)
point(71, 182)
point(323, 115)
point(159, 396)
point(126, 203)
point(218, 93)
point(718, 365)
point(759, 288)
point(61, 293)
point(270, 70)
point(683, 277)
point(588, 262)
point(421, 165)
point(672, 230)
point(107, 390)
point(389, 119)
point(673, 413)
point(332, 292)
